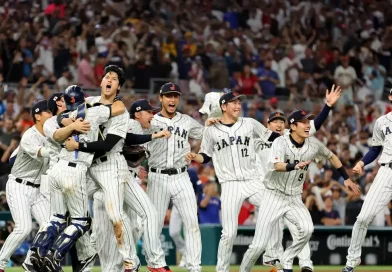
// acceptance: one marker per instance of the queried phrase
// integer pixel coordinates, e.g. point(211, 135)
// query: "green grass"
point(255, 269)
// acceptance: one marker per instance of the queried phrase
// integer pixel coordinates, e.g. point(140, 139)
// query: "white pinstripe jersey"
point(170, 153)
point(382, 136)
point(283, 150)
point(97, 116)
point(117, 125)
point(28, 166)
point(50, 127)
point(263, 149)
point(233, 148)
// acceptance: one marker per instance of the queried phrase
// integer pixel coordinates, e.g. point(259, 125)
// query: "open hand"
point(301, 165)
point(351, 186)
point(333, 96)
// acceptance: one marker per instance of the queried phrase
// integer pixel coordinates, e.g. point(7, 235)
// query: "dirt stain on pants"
point(118, 231)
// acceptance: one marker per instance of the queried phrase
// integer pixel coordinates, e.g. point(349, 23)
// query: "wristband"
point(343, 173)
point(290, 167)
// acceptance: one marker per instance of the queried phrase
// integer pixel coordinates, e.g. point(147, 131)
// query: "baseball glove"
point(135, 155)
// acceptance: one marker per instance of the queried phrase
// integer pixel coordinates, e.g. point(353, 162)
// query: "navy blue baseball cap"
point(170, 88)
point(231, 96)
point(141, 105)
point(277, 115)
point(39, 107)
point(300, 115)
point(52, 106)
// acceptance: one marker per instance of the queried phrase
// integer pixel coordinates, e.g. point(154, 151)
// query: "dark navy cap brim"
point(168, 92)
point(277, 117)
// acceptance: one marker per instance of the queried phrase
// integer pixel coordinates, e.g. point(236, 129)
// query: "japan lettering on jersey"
point(170, 153)
point(50, 127)
point(232, 148)
point(283, 150)
point(97, 116)
point(263, 149)
point(28, 165)
point(382, 136)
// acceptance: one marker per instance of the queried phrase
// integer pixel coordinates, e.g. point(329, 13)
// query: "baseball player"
point(230, 144)
point(68, 184)
point(276, 122)
point(134, 197)
point(55, 138)
point(23, 194)
point(287, 167)
point(167, 177)
point(175, 224)
point(379, 194)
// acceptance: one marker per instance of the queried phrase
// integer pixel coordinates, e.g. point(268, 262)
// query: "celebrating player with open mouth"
point(287, 168)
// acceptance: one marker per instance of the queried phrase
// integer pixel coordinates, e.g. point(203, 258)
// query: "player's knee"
point(229, 235)
point(23, 230)
point(307, 230)
point(364, 219)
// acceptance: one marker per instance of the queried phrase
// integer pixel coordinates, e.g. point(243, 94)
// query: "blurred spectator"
point(268, 79)
point(248, 83)
point(345, 76)
point(86, 73)
point(65, 80)
point(210, 205)
point(247, 210)
point(353, 207)
point(329, 216)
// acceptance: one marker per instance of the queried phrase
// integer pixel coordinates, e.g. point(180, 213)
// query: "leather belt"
point(102, 159)
point(170, 171)
point(28, 183)
point(387, 164)
point(72, 164)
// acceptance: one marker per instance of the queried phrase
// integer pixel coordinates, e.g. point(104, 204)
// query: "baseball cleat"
point(29, 267)
point(36, 261)
point(348, 269)
point(275, 263)
point(85, 263)
point(306, 269)
point(160, 269)
point(50, 263)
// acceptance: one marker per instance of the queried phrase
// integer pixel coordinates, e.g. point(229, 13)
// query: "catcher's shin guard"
point(48, 233)
point(77, 228)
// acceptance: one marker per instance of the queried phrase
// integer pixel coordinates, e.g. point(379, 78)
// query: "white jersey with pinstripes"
point(263, 149)
point(233, 148)
point(283, 150)
point(382, 136)
point(50, 127)
point(170, 153)
point(28, 165)
point(97, 116)
point(117, 125)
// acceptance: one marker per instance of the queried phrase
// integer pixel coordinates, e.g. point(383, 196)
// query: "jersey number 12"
point(244, 152)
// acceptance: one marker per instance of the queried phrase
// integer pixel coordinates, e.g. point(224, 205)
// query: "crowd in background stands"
point(283, 54)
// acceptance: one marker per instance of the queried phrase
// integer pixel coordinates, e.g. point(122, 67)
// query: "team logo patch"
point(172, 87)
point(36, 110)
point(278, 114)
point(291, 120)
point(303, 112)
point(223, 101)
point(55, 98)
point(138, 108)
point(72, 99)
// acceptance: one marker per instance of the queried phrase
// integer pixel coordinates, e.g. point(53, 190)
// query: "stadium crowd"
point(283, 54)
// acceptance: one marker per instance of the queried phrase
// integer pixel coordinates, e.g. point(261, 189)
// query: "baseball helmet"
point(73, 97)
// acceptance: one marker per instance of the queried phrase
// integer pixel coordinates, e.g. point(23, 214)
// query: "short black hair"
point(115, 69)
